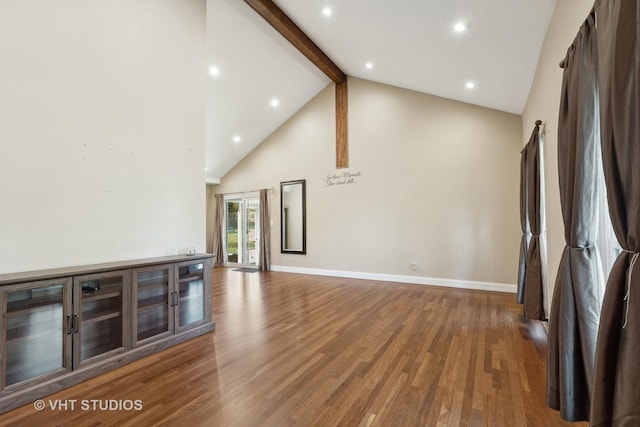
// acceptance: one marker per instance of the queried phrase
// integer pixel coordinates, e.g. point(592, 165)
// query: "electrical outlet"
point(413, 265)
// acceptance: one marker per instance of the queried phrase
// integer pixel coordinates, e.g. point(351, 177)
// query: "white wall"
point(102, 130)
point(544, 104)
point(438, 185)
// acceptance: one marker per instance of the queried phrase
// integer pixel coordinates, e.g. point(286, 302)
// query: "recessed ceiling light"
point(369, 65)
point(327, 11)
point(275, 102)
point(470, 85)
point(214, 71)
point(460, 27)
point(237, 139)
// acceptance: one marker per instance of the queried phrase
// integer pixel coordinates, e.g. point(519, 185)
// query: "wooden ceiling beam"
point(290, 31)
point(342, 108)
point(294, 34)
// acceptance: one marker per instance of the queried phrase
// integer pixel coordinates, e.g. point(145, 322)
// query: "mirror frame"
point(304, 217)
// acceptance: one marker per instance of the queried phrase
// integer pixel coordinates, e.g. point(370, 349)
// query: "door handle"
point(175, 298)
point(69, 324)
point(75, 323)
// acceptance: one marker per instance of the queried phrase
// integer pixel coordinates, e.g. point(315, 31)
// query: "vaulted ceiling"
point(406, 43)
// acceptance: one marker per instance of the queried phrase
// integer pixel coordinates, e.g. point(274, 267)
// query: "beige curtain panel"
point(575, 309)
point(616, 387)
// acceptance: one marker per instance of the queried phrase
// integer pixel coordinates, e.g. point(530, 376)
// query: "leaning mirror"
point(293, 227)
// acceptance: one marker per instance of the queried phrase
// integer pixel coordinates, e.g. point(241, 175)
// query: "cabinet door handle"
point(75, 323)
point(174, 297)
point(69, 324)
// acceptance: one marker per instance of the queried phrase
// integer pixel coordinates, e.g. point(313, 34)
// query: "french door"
point(242, 231)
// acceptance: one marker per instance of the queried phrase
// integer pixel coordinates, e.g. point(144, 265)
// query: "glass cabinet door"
point(152, 287)
point(35, 331)
point(189, 298)
point(100, 302)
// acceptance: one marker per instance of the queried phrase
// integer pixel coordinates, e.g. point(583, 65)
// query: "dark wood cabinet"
point(60, 327)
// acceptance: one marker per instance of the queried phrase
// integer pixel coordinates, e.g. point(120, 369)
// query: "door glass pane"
point(233, 236)
point(242, 231)
point(153, 303)
point(102, 306)
point(35, 333)
point(252, 231)
point(191, 294)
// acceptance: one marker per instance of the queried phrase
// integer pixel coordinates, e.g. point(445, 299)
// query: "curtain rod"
point(272, 189)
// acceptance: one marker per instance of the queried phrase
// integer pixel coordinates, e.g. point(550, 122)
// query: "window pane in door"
point(34, 332)
point(102, 313)
point(152, 303)
point(191, 294)
point(242, 231)
point(233, 236)
point(252, 215)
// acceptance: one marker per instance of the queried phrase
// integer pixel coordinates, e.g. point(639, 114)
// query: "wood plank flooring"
point(296, 350)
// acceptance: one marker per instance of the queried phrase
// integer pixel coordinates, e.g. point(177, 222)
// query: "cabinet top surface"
point(53, 273)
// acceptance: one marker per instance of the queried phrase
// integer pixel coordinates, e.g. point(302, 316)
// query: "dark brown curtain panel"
point(524, 225)
point(616, 387)
point(265, 232)
point(533, 296)
point(218, 230)
point(575, 309)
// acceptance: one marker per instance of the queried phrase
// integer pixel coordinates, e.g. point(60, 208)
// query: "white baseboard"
point(416, 280)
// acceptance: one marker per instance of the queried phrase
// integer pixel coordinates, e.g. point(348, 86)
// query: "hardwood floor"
point(295, 350)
